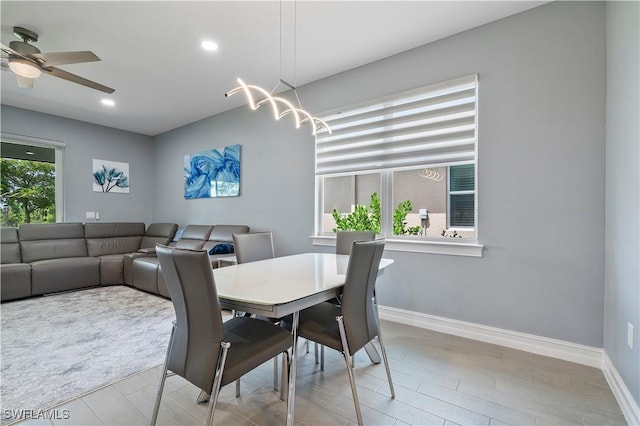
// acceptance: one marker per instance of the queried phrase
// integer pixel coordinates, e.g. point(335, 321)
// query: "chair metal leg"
point(347, 360)
point(215, 388)
point(321, 358)
point(386, 364)
point(383, 350)
point(275, 373)
point(284, 385)
point(315, 350)
point(237, 388)
point(156, 407)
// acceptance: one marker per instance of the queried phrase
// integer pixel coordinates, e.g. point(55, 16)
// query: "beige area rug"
point(60, 347)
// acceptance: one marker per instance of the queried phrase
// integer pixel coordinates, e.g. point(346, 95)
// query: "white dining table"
point(281, 286)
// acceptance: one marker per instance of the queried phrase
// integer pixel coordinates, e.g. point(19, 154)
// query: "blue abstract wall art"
point(110, 176)
point(213, 173)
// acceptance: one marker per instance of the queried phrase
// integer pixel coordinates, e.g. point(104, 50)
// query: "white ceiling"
point(151, 53)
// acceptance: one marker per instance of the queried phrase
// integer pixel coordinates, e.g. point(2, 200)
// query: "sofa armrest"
point(148, 250)
point(128, 259)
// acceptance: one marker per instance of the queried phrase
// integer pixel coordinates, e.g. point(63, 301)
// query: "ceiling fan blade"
point(63, 58)
point(57, 72)
point(9, 51)
point(24, 82)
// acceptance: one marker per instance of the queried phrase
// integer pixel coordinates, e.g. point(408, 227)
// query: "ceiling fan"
point(27, 62)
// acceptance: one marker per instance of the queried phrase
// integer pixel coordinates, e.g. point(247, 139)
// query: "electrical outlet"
point(90, 215)
point(630, 335)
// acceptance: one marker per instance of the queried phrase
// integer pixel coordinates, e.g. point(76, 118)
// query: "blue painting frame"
point(212, 173)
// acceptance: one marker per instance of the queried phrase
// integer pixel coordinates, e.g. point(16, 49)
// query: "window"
point(408, 160)
point(31, 180)
point(462, 196)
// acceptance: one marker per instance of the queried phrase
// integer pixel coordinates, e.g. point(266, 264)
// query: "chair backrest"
point(345, 239)
point(198, 333)
point(360, 316)
point(252, 247)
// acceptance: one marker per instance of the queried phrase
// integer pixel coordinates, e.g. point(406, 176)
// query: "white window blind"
point(431, 125)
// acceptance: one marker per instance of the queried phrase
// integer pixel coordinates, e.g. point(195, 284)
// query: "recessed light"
point(108, 102)
point(209, 45)
point(29, 153)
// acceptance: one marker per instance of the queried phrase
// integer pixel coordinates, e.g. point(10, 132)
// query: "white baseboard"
point(585, 355)
point(628, 405)
point(580, 354)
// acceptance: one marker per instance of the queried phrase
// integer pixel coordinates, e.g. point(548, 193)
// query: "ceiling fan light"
point(24, 68)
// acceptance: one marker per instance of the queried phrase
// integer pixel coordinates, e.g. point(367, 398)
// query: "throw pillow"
point(222, 248)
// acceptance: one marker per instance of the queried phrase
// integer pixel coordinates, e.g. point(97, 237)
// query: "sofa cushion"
point(194, 237)
point(113, 229)
point(158, 233)
point(113, 238)
point(50, 231)
point(48, 276)
point(117, 245)
point(223, 234)
point(111, 269)
point(10, 247)
point(51, 241)
point(15, 279)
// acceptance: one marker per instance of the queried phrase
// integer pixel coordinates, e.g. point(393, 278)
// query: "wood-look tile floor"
point(439, 380)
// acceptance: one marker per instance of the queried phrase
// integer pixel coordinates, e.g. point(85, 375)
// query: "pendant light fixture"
point(257, 96)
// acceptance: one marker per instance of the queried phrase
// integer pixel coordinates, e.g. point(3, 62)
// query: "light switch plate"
point(90, 215)
point(630, 335)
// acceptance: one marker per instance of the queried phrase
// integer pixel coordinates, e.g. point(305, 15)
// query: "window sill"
point(434, 247)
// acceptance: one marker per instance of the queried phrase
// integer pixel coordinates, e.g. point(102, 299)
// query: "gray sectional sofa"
point(146, 272)
point(36, 259)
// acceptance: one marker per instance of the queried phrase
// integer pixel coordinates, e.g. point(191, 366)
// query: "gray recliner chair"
point(202, 349)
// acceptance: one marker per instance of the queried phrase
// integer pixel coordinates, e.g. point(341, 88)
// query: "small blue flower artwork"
point(110, 176)
point(213, 173)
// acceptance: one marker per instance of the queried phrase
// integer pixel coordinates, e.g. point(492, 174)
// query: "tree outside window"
point(28, 191)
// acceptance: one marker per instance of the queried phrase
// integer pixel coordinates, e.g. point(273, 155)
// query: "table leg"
point(291, 401)
point(374, 356)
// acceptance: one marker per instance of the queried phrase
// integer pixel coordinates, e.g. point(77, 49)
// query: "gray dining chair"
point(345, 239)
point(348, 327)
point(344, 242)
point(251, 248)
point(203, 349)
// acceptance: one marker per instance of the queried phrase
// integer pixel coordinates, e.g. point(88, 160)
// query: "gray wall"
point(541, 173)
point(84, 142)
point(622, 238)
point(276, 183)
